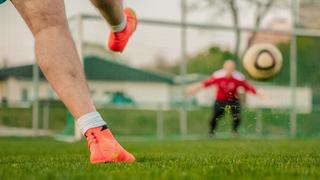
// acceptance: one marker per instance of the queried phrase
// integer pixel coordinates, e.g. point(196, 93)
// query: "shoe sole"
point(115, 161)
point(135, 25)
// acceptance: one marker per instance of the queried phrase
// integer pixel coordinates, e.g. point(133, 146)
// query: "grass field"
point(22, 158)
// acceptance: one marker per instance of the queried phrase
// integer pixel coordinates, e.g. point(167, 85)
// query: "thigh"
point(41, 14)
point(219, 108)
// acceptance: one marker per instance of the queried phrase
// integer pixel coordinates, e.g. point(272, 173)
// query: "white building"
point(117, 83)
point(109, 81)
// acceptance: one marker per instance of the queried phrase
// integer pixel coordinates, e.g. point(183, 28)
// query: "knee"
point(98, 3)
point(39, 18)
point(236, 119)
point(236, 116)
point(46, 25)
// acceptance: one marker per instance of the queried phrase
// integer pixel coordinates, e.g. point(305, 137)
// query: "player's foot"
point(211, 135)
point(235, 133)
point(119, 40)
point(105, 148)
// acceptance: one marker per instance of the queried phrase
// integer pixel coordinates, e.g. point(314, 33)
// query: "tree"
point(234, 9)
point(221, 6)
point(260, 7)
point(204, 62)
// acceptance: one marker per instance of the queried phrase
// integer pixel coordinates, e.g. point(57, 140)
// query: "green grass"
point(22, 158)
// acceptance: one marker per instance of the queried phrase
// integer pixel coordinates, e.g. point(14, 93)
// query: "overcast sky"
point(16, 43)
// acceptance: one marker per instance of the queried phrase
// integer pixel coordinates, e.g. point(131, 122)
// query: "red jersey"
point(227, 87)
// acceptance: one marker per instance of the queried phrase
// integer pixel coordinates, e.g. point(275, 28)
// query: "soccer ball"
point(262, 61)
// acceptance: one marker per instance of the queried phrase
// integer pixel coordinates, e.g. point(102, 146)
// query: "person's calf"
point(235, 125)
point(212, 128)
point(111, 10)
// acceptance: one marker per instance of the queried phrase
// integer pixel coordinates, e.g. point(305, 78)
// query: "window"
point(108, 96)
point(52, 94)
point(118, 98)
point(24, 95)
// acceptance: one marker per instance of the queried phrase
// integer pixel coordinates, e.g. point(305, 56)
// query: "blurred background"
point(179, 42)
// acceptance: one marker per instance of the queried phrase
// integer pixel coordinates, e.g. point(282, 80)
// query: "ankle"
point(90, 121)
point(120, 27)
point(96, 129)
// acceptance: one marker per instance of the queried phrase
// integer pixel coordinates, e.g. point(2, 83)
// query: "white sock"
point(120, 27)
point(90, 120)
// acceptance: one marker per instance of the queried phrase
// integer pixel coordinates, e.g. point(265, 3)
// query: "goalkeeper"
point(227, 83)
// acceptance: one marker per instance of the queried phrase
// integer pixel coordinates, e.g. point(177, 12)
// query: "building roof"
point(97, 68)
point(189, 78)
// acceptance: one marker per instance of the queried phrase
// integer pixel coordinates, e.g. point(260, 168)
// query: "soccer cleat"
point(119, 40)
point(105, 148)
point(235, 133)
point(210, 135)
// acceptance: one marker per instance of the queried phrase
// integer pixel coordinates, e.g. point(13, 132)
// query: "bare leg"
point(111, 10)
point(58, 59)
point(56, 53)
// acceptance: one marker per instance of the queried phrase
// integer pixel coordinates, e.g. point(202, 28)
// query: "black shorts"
point(219, 110)
point(222, 105)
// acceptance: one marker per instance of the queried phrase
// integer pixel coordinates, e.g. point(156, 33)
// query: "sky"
point(149, 42)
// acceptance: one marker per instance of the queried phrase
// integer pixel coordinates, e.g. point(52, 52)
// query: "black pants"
point(219, 110)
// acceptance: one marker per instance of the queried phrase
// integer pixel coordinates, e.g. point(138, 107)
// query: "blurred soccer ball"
point(262, 61)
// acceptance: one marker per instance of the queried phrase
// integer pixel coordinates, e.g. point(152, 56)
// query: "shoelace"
point(118, 36)
point(92, 139)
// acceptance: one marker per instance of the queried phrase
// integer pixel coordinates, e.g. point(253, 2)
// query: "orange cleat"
point(119, 40)
point(105, 148)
